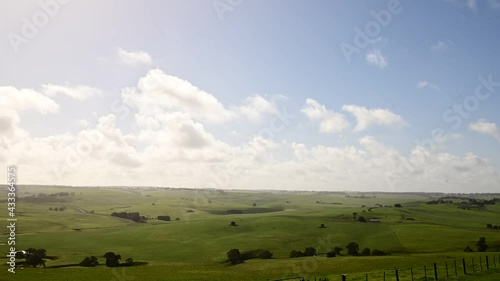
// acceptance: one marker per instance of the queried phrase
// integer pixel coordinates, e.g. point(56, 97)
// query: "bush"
point(310, 252)
point(481, 245)
point(266, 255)
point(331, 254)
point(377, 252)
point(234, 256)
point(164, 218)
point(362, 219)
point(89, 262)
point(233, 224)
point(352, 249)
point(366, 252)
point(296, 254)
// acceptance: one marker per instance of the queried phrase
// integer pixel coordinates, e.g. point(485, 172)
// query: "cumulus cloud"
point(158, 91)
point(255, 107)
point(134, 58)
point(484, 127)
point(329, 121)
point(375, 57)
point(79, 92)
point(370, 117)
point(26, 99)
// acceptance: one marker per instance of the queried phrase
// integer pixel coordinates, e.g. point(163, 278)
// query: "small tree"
point(266, 255)
point(490, 226)
point(89, 262)
point(310, 252)
point(366, 252)
point(362, 219)
point(377, 252)
point(354, 215)
point(296, 254)
point(322, 226)
point(337, 250)
point(112, 260)
point(398, 205)
point(254, 204)
point(233, 223)
point(234, 256)
point(129, 261)
point(331, 254)
point(481, 245)
point(352, 249)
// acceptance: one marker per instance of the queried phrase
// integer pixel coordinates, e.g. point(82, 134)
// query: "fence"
point(428, 272)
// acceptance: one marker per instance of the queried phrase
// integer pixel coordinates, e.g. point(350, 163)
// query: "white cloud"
point(369, 117)
point(157, 92)
point(79, 92)
point(427, 84)
point(255, 107)
point(439, 46)
point(484, 127)
point(330, 121)
point(26, 99)
point(134, 58)
point(375, 57)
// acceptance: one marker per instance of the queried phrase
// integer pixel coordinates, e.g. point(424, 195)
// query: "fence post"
point(435, 272)
point(411, 270)
point(384, 275)
point(367, 277)
point(494, 261)
point(397, 275)
point(487, 263)
point(447, 275)
point(425, 273)
point(455, 264)
point(344, 277)
point(465, 269)
point(481, 263)
point(473, 268)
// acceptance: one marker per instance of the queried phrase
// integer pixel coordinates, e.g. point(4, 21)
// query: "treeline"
point(490, 226)
point(352, 250)
point(60, 209)
point(134, 216)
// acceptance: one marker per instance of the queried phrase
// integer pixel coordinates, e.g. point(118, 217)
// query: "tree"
point(331, 254)
point(35, 257)
point(233, 223)
point(234, 256)
point(112, 260)
point(296, 254)
point(337, 250)
point(266, 255)
point(354, 215)
point(254, 204)
point(362, 219)
point(322, 226)
point(377, 252)
point(490, 226)
point(352, 249)
point(310, 252)
point(366, 252)
point(50, 209)
point(398, 205)
point(129, 261)
point(481, 245)
point(89, 262)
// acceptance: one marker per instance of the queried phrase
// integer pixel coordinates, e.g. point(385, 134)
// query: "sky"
point(391, 96)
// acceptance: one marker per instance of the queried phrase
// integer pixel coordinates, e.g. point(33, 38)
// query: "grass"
point(194, 247)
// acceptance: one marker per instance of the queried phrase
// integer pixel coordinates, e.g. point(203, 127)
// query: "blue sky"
point(193, 93)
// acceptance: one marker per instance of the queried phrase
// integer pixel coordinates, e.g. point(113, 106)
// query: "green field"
point(194, 247)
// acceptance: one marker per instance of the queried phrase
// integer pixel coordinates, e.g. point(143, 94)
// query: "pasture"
point(193, 245)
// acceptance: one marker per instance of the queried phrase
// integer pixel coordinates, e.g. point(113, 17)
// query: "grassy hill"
point(194, 246)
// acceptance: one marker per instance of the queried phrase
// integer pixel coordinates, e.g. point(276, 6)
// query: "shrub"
point(468, 249)
point(377, 252)
point(266, 255)
point(296, 254)
point(234, 256)
point(310, 252)
point(89, 262)
point(366, 252)
point(331, 254)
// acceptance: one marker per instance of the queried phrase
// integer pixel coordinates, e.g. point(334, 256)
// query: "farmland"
point(193, 245)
